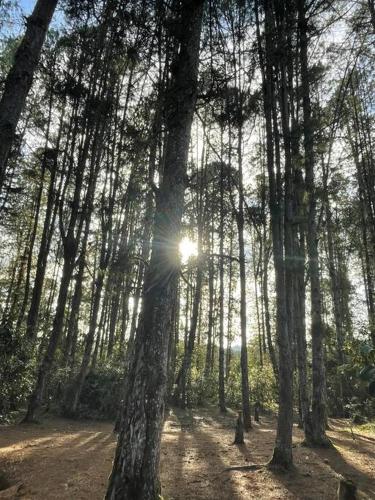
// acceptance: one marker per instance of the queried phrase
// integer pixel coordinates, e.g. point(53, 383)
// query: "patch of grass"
point(367, 428)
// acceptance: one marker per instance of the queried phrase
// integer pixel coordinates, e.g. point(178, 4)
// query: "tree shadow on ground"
point(317, 471)
point(202, 463)
point(245, 452)
point(314, 465)
point(48, 429)
point(342, 467)
point(59, 458)
point(339, 427)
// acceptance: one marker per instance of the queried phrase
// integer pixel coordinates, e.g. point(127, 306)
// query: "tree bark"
point(282, 455)
point(46, 364)
point(245, 389)
point(180, 395)
point(135, 469)
point(20, 76)
point(318, 417)
point(221, 298)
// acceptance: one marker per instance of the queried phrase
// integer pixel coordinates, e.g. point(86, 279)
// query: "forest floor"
point(71, 460)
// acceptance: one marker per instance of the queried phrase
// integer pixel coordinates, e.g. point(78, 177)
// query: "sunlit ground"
point(62, 459)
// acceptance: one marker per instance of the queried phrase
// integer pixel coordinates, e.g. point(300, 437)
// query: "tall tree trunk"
point(282, 454)
point(180, 395)
point(20, 76)
point(245, 389)
point(70, 237)
point(75, 388)
point(318, 417)
point(221, 298)
point(230, 307)
point(336, 294)
point(135, 469)
point(300, 316)
point(267, 315)
point(46, 364)
point(45, 242)
point(371, 6)
point(30, 250)
point(208, 361)
point(72, 323)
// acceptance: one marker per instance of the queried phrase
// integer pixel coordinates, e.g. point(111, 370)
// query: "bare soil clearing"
point(64, 459)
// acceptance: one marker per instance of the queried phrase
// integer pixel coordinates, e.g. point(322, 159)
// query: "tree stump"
point(256, 411)
point(238, 438)
point(4, 483)
point(347, 490)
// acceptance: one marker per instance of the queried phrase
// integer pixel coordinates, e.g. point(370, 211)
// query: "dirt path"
point(63, 459)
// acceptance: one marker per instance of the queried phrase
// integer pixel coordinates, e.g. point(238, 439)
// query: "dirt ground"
point(64, 459)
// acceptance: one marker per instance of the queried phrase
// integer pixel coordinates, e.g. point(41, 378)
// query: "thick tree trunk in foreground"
point(135, 472)
point(20, 76)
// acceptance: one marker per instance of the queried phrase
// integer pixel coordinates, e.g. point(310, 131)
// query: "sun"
point(187, 248)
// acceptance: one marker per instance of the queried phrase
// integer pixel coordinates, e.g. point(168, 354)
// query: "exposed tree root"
point(11, 492)
point(322, 443)
point(4, 483)
point(246, 467)
point(279, 468)
point(32, 421)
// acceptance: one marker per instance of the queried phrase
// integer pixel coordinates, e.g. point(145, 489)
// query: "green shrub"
point(101, 393)
point(15, 371)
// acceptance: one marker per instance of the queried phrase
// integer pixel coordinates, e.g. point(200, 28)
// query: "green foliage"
point(367, 372)
point(7, 50)
point(101, 393)
point(233, 383)
point(15, 374)
point(203, 390)
point(367, 428)
point(263, 387)
point(203, 387)
point(8, 10)
point(367, 350)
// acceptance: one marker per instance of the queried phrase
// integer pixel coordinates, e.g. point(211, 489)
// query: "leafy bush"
point(15, 372)
point(367, 373)
point(101, 394)
point(263, 386)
